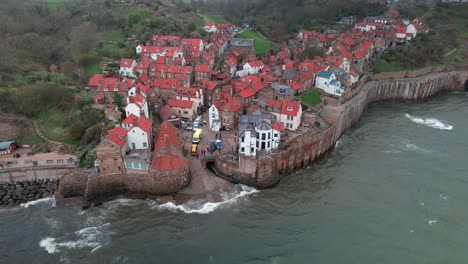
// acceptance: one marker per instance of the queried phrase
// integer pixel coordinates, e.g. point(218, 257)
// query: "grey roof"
point(259, 119)
point(281, 89)
point(264, 125)
point(335, 83)
point(325, 74)
point(290, 74)
point(6, 144)
point(242, 42)
point(244, 127)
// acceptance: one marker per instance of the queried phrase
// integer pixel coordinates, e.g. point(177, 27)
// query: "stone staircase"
point(54, 146)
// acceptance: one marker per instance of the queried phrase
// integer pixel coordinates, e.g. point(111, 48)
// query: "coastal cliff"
point(312, 144)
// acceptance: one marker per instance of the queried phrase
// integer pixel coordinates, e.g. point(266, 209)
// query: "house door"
point(133, 145)
point(263, 145)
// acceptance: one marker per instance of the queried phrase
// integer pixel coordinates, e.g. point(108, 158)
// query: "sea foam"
point(50, 200)
point(208, 207)
point(92, 237)
point(430, 122)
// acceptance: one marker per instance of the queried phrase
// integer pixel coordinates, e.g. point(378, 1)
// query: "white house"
point(210, 27)
point(353, 77)
point(127, 67)
point(136, 104)
point(186, 109)
point(139, 132)
point(291, 115)
point(258, 132)
point(326, 81)
point(411, 31)
point(190, 94)
point(253, 67)
point(215, 122)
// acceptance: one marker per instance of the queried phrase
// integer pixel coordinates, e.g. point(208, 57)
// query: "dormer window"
point(116, 89)
point(289, 108)
point(106, 89)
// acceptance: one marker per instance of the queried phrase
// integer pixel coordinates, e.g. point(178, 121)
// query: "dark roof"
point(281, 89)
point(242, 42)
point(290, 74)
point(325, 74)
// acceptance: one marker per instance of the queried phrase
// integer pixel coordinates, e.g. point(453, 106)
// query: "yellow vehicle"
point(197, 136)
point(194, 149)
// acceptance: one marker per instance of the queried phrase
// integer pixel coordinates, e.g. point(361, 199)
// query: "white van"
point(197, 123)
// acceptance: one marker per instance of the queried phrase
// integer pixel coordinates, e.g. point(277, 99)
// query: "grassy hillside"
point(261, 44)
point(446, 42)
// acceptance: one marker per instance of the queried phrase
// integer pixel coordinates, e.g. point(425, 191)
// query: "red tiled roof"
point(126, 62)
point(275, 104)
point(234, 105)
point(247, 93)
point(166, 136)
point(278, 126)
point(255, 64)
point(117, 136)
point(95, 80)
point(168, 163)
point(144, 123)
point(130, 119)
point(180, 103)
point(290, 108)
point(208, 85)
point(166, 112)
point(202, 68)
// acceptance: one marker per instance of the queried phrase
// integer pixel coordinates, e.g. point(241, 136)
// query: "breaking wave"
point(206, 208)
point(50, 200)
point(416, 148)
point(92, 237)
point(430, 122)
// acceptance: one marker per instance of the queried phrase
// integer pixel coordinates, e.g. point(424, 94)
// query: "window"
point(145, 144)
point(106, 89)
point(242, 139)
point(128, 165)
point(269, 135)
point(144, 167)
point(136, 165)
point(276, 135)
point(186, 112)
point(242, 149)
point(252, 150)
point(257, 144)
point(269, 143)
point(263, 136)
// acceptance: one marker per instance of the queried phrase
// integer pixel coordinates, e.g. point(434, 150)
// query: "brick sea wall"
point(303, 150)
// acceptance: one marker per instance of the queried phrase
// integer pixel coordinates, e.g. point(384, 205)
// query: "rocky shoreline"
point(16, 193)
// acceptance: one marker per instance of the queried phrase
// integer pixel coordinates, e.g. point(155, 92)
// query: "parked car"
point(212, 146)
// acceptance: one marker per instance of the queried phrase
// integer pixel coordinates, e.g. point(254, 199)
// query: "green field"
point(112, 35)
point(213, 18)
point(311, 98)
point(381, 65)
point(93, 68)
point(54, 2)
point(53, 126)
point(261, 44)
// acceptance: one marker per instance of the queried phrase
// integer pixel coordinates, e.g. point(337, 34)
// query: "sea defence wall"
point(98, 188)
point(34, 173)
point(15, 193)
point(302, 151)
